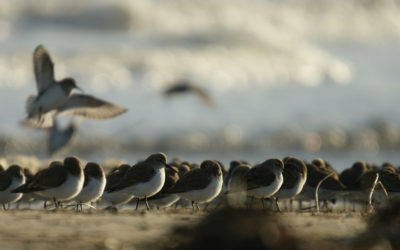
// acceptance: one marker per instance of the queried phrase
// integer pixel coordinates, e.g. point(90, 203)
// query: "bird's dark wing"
point(259, 177)
point(193, 180)
point(204, 96)
point(5, 180)
point(48, 178)
point(43, 68)
point(141, 172)
point(91, 107)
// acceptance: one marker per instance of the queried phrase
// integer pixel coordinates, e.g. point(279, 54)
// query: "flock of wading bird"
point(162, 184)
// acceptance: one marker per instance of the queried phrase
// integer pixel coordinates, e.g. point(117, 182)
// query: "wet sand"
point(100, 229)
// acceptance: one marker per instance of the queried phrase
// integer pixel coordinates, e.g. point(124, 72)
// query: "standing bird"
point(163, 198)
point(200, 184)
point(183, 86)
point(113, 178)
point(56, 95)
point(294, 178)
point(145, 178)
point(93, 186)
point(59, 182)
point(10, 179)
point(265, 179)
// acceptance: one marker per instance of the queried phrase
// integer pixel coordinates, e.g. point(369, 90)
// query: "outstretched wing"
point(43, 68)
point(91, 107)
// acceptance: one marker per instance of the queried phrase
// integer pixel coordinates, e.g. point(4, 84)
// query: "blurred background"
point(306, 78)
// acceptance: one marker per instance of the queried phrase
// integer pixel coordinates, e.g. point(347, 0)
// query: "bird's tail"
point(34, 118)
point(43, 121)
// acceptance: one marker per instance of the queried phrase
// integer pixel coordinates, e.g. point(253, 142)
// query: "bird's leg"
point(277, 206)
point(45, 204)
point(147, 204)
point(193, 205)
point(197, 205)
point(262, 202)
point(55, 202)
point(4, 207)
point(137, 203)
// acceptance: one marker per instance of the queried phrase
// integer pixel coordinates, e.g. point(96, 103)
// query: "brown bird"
point(200, 185)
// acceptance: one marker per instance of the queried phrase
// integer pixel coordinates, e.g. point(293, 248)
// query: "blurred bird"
point(59, 138)
point(56, 95)
point(184, 86)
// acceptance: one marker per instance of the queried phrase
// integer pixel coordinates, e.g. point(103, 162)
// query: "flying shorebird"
point(58, 137)
point(56, 96)
point(183, 86)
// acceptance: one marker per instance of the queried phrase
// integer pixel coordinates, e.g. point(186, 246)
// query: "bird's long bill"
point(81, 90)
point(168, 166)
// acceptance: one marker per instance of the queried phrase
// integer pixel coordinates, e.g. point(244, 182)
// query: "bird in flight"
point(184, 86)
point(57, 96)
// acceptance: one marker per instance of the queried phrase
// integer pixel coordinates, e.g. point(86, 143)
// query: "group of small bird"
point(163, 183)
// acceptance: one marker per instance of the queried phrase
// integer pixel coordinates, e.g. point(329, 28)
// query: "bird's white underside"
point(148, 188)
point(267, 191)
point(206, 194)
point(92, 191)
point(68, 190)
point(6, 196)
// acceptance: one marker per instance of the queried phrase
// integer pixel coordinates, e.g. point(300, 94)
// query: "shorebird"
point(145, 178)
point(57, 95)
point(329, 189)
point(93, 186)
point(200, 185)
point(183, 86)
point(59, 138)
point(265, 179)
point(10, 179)
point(237, 185)
point(113, 178)
point(294, 178)
point(163, 198)
point(59, 182)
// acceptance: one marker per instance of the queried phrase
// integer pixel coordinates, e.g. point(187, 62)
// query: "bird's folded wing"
point(192, 180)
point(43, 68)
point(91, 107)
point(135, 175)
point(5, 181)
point(49, 178)
point(256, 179)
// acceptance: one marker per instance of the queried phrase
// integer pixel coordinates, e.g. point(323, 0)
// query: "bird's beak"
point(173, 169)
point(81, 90)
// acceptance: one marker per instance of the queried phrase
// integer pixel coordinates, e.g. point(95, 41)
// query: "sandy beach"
point(51, 229)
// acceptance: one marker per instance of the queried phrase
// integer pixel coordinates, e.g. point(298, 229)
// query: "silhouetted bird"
point(184, 87)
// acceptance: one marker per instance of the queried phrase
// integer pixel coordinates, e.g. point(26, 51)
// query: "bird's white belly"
point(267, 191)
point(117, 197)
point(68, 190)
point(206, 194)
point(51, 99)
point(149, 188)
point(165, 201)
point(291, 192)
point(92, 191)
point(6, 196)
